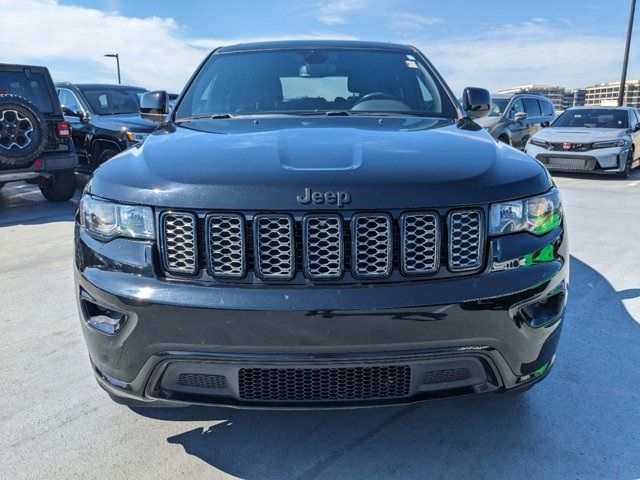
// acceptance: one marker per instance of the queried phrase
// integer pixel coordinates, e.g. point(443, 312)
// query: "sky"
point(492, 44)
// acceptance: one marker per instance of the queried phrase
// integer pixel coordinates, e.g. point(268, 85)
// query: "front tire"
point(627, 169)
point(105, 155)
point(504, 139)
point(60, 187)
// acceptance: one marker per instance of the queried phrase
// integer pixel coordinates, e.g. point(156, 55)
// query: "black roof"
point(292, 44)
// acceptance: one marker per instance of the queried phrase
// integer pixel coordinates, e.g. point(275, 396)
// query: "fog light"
point(545, 311)
point(103, 319)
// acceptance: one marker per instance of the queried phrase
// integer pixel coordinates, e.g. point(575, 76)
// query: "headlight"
point(610, 144)
point(136, 136)
point(537, 215)
point(538, 143)
point(106, 220)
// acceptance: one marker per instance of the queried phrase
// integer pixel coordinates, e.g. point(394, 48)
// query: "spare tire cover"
point(23, 132)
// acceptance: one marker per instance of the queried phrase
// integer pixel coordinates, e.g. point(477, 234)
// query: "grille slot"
point(226, 245)
point(466, 240)
point(323, 246)
point(372, 245)
point(331, 383)
point(201, 380)
point(180, 245)
point(447, 375)
point(274, 245)
point(420, 243)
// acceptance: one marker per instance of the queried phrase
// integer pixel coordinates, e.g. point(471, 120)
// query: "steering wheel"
point(376, 96)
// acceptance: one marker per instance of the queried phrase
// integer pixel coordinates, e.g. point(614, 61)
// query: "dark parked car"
point(35, 140)
point(516, 118)
point(318, 224)
point(105, 120)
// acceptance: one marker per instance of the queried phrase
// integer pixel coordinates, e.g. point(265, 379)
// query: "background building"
point(574, 98)
point(554, 93)
point(606, 93)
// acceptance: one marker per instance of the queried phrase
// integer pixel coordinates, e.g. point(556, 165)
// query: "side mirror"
point(520, 116)
point(154, 106)
point(476, 101)
point(637, 127)
point(71, 113)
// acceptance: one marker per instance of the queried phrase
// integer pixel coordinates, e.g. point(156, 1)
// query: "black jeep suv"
point(318, 224)
point(35, 140)
point(105, 120)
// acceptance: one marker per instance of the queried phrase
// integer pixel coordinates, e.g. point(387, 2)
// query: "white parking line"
point(633, 184)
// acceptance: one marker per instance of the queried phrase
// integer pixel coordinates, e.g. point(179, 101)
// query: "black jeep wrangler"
point(319, 224)
point(35, 140)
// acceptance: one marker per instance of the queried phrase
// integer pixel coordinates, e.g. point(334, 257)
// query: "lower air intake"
point(325, 384)
point(201, 380)
point(445, 376)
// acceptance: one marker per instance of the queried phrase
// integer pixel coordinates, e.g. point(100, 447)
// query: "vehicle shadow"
point(21, 203)
point(580, 422)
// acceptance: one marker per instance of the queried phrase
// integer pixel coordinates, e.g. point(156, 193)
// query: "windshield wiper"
point(212, 116)
point(354, 113)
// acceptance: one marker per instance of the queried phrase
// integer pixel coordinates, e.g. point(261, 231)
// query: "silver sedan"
point(590, 139)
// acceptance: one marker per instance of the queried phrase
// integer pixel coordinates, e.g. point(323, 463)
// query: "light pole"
point(117, 57)
point(625, 62)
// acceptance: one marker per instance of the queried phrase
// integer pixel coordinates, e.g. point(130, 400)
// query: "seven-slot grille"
point(323, 246)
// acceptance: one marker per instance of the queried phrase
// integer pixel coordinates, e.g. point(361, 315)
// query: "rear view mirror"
point(154, 106)
point(476, 101)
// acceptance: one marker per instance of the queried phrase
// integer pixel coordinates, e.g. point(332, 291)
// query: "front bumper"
point(190, 342)
point(603, 160)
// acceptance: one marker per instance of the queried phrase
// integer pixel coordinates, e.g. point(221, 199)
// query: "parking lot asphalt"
point(583, 421)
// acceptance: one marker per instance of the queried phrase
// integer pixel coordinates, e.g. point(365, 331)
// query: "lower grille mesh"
point(448, 375)
point(315, 384)
point(202, 380)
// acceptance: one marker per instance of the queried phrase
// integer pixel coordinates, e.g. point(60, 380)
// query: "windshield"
point(497, 106)
point(315, 81)
point(113, 101)
point(593, 118)
point(33, 87)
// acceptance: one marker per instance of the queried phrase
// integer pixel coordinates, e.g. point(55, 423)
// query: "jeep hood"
point(266, 162)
